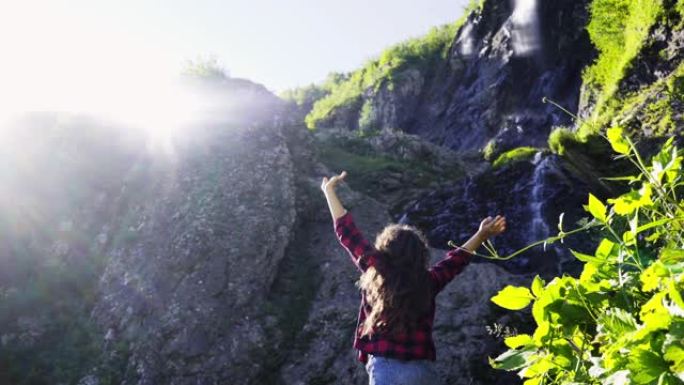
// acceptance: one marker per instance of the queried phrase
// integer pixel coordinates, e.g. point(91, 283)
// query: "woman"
point(394, 329)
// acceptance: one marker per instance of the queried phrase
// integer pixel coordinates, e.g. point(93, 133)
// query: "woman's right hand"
point(330, 184)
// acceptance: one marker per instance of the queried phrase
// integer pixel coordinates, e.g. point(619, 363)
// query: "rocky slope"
point(216, 263)
point(505, 57)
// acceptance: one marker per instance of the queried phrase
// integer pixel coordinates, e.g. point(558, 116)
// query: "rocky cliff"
point(216, 263)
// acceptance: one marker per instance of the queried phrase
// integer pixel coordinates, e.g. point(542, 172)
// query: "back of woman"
point(394, 328)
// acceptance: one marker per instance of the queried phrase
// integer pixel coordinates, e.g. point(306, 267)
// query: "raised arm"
point(456, 260)
point(334, 204)
point(347, 233)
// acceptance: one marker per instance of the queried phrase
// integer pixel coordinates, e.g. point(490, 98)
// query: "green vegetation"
point(618, 29)
point(308, 95)
point(420, 52)
point(514, 155)
point(366, 118)
point(371, 170)
point(489, 150)
point(560, 138)
point(204, 68)
point(303, 96)
point(622, 320)
point(48, 336)
point(654, 105)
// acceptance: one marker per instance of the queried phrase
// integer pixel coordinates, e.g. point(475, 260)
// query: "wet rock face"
point(491, 91)
point(501, 64)
point(531, 195)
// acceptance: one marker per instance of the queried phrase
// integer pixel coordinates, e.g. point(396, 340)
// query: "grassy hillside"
point(344, 90)
point(623, 33)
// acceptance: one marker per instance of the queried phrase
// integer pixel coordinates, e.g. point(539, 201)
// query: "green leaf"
point(541, 334)
point(651, 277)
point(617, 322)
point(515, 342)
point(617, 140)
point(627, 203)
point(628, 238)
point(671, 256)
point(513, 298)
point(654, 314)
point(596, 208)
point(605, 250)
point(538, 368)
point(674, 293)
point(585, 257)
point(537, 286)
point(674, 352)
point(511, 359)
point(645, 366)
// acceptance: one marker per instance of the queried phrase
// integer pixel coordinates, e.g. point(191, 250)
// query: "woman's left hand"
point(490, 227)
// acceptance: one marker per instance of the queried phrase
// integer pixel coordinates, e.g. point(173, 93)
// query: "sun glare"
point(92, 68)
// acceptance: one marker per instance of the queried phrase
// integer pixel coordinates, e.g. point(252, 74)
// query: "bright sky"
point(57, 54)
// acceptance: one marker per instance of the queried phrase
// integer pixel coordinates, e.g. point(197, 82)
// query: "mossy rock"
point(515, 155)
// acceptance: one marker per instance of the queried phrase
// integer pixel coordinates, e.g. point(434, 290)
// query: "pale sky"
point(69, 49)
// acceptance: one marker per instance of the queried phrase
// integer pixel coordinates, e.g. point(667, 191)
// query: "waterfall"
point(525, 27)
point(466, 41)
point(538, 227)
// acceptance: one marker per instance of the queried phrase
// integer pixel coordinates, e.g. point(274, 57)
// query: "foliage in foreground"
point(622, 320)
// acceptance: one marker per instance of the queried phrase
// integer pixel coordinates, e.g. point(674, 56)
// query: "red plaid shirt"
point(416, 344)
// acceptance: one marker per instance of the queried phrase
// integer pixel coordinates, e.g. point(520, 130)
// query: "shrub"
point(301, 96)
point(205, 68)
point(622, 320)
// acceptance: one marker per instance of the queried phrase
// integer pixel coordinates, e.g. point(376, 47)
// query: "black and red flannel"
point(416, 344)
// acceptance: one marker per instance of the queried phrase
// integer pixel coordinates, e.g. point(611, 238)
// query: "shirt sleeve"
point(353, 241)
point(445, 270)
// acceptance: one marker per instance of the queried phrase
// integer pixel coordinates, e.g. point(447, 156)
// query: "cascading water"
point(466, 42)
point(538, 227)
point(525, 34)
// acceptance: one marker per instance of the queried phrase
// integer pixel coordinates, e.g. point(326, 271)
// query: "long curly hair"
point(397, 286)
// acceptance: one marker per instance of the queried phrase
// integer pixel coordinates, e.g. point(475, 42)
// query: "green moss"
point(514, 155)
point(559, 139)
point(489, 150)
point(650, 110)
point(420, 52)
point(618, 29)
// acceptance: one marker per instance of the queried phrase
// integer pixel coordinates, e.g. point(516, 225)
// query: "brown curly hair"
point(397, 286)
